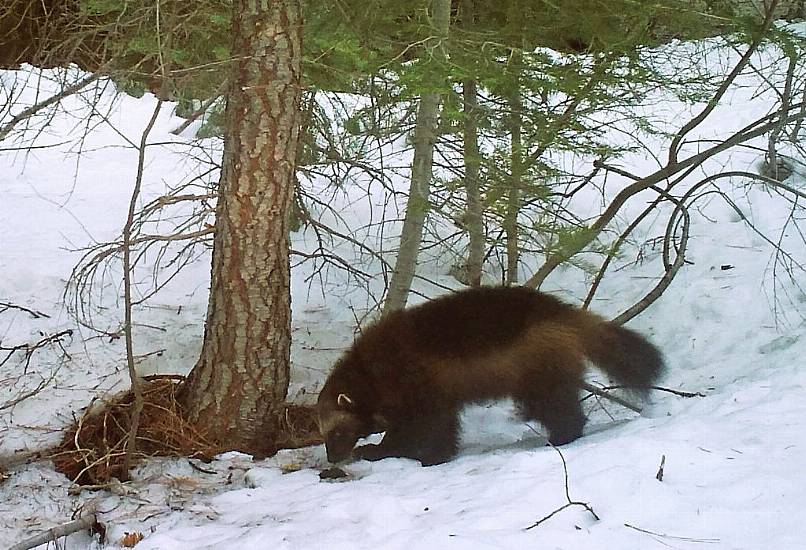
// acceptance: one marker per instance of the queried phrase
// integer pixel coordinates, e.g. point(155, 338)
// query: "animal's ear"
point(344, 400)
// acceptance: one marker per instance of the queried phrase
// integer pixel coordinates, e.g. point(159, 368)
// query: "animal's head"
point(341, 422)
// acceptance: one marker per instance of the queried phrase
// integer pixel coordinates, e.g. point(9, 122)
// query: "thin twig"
point(570, 502)
point(602, 392)
point(222, 88)
point(131, 444)
point(31, 348)
point(33, 109)
point(28, 394)
point(35, 314)
point(663, 535)
point(670, 273)
point(200, 469)
point(679, 393)
point(677, 141)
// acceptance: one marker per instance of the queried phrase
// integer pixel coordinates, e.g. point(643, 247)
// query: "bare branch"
point(31, 348)
point(35, 314)
point(674, 148)
point(570, 502)
point(755, 129)
point(222, 88)
point(33, 109)
point(131, 445)
point(603, 393)
point(665, 536)
point(672, 270)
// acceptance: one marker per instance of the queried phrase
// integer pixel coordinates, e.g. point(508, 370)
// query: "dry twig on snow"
point(570, 502)
point(85, 520)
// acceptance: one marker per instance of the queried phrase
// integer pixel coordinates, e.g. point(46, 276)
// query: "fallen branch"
point(200, 469)
point(570, 502)
point(602, 392)
point(86, 519)
point(28, 394)
point(31, 348)
point(663, 535)
point(679, 393)
point(35, 314)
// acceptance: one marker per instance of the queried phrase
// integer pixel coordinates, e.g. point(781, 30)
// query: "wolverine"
point(412, 372)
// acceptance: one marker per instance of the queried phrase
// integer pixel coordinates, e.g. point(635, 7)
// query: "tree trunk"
point(474, 220)
point(516, 177)
point(475, 209)
point(425, 136)
point(237, 389)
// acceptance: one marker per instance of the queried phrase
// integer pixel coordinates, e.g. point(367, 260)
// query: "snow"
point(733, 475)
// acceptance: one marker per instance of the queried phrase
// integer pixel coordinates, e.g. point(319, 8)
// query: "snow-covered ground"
point(734, 459)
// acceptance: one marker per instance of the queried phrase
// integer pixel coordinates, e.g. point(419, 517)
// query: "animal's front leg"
point(430, 438)
point(390, 446)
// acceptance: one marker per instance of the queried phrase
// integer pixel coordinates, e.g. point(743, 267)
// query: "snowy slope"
point(734, 458)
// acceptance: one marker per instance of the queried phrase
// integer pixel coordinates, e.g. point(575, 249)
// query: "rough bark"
point(237, 389)
point(425, 136)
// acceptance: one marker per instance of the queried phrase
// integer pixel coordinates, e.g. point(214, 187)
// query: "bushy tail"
point(625, 355)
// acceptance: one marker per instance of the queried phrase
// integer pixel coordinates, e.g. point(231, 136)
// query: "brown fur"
point(411, 373)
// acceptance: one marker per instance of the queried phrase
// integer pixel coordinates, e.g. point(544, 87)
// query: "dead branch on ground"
point(679, 393)
point(30, 348)
point(569, 502)
point(603, 393)
point(86, 519)
point(665, 536)
point(4, 306)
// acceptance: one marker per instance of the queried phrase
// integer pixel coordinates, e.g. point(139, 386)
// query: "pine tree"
point(237, 389)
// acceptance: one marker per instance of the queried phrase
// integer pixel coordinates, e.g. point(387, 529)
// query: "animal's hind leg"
point(434, 438)
point(551, 396)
